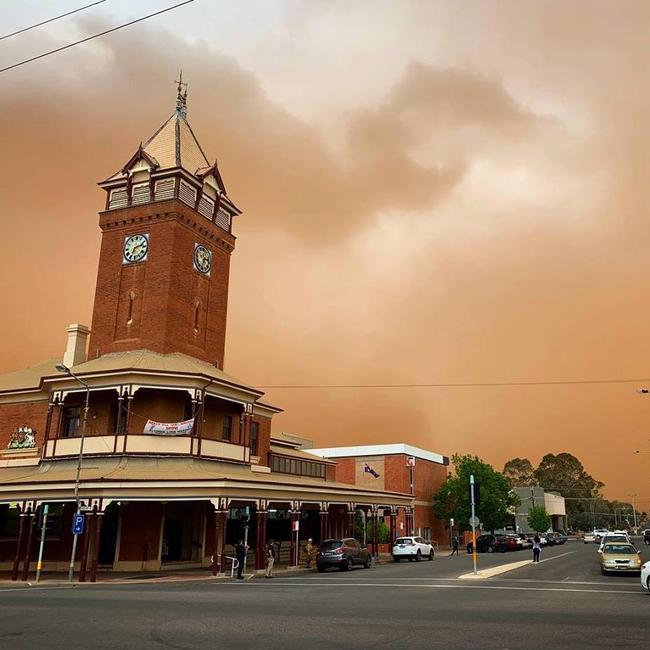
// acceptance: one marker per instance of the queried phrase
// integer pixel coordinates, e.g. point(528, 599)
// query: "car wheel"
point(490, 549)
point(418, 557)
point(397, 559)
point(430, 555)
point(320, 569)
point(349, 564)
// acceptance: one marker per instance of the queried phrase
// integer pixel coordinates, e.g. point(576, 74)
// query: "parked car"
point(589, 538)
point(342, 553)
point(619, 557)
point(489, 544)
point(599, 532)
point(646, 535)
point(562, 537)
point(413, 548)
point(514, 542)
point(526, 540)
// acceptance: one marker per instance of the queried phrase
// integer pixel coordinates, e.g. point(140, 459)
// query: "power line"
point(90, 38)
point(50, 20)
point(488, 384)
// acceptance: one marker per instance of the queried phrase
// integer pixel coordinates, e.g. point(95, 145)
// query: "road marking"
point(555, 557)
point(313, 583)
point(495, 570)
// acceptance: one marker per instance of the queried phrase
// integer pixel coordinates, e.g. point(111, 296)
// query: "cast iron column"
point(260, 555)
point(99, 517)
point(21, 530)
point(31, 520)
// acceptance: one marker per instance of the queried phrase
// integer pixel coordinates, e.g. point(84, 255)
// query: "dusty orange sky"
point(432, 193)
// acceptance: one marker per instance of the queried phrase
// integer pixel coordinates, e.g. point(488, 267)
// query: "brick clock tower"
point(162, 282)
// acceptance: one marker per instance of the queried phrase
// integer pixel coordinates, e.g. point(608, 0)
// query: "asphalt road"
point(562, 602)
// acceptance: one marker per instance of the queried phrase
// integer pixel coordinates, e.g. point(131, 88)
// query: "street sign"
point(474, 522)
point(78, 524)
point(410, 461)
point(295, 526)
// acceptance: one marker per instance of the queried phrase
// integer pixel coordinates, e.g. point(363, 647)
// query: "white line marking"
point(555, 557)
point(434, 586)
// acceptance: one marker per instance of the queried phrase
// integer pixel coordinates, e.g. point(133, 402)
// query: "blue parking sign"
point(78, 524)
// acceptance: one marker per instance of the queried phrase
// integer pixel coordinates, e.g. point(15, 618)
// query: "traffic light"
point(477, 493)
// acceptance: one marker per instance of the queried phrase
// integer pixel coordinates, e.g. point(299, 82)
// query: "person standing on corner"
point(537, 547)
point(240, 554)
point(309, 552)
point(270, 558)
point(455, 543)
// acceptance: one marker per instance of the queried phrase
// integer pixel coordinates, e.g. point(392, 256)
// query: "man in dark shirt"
point(240, 554)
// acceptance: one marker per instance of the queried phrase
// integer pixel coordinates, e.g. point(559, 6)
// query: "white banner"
point(169, 428)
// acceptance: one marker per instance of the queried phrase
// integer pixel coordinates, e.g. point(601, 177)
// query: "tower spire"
point(181, 96)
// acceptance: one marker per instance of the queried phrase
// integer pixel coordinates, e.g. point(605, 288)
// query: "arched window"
point(129, 316)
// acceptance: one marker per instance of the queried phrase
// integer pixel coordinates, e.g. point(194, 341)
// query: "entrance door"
point(108, 535)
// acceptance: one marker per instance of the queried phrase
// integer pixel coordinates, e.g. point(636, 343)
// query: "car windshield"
point(615, 538)
point(331, 543)
point(620, 549)
point(404, 540)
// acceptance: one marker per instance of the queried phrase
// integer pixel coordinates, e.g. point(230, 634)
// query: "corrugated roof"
point(297, 453)
point(27, 377)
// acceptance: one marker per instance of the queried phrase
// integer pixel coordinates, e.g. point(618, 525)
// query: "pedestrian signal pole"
point(473, 521)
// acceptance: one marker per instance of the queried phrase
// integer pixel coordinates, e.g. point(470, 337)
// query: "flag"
point(371, 471)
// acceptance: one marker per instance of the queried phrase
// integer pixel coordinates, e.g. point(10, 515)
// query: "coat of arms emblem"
point(22, 438)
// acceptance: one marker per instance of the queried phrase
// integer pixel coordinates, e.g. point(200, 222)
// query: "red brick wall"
point(140, 532)
point(12, 416)
point(264, 443)
point(345, 470)
point(165, 287)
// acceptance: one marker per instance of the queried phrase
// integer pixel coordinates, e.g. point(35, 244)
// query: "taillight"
point(341, 549)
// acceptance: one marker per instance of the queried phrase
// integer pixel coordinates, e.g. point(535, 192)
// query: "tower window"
point(164, 189)
point(140, 193)
point(187, 194)
point(118, 198)
point(129, 316)
point(197, 314)
point(223, 219)
point(206, 206)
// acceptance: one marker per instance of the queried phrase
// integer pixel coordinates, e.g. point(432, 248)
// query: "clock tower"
point(162, 282)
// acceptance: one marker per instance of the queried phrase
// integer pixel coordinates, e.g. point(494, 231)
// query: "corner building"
point(155, 354)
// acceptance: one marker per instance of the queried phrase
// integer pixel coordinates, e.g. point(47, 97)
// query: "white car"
point(589, 538)
point(645, 576)
point(600, 532)
point(613, 537)
point(413, 548)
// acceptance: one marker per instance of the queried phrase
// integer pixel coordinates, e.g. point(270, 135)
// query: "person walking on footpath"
point(537, 547)
point(240, 554)
point(309, 552)
point(455, 544)
point(270, 558)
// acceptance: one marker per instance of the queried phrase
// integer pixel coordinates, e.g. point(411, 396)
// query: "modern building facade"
point(179, 461)
point(399, 468)
point(537, 496)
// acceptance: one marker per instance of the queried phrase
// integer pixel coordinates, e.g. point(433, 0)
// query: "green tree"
point(538, 519)
point(519, 472)
point(496, 502)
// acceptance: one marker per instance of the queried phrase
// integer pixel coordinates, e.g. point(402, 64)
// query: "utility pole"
point(634, 511)
point(39, 564)
point(473, 522)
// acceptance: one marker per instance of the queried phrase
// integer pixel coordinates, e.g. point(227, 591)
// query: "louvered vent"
point(164, 189)
point(141, 194)
point(206, 207)
point(187, 194)
point(223, 219)
point(119, 199)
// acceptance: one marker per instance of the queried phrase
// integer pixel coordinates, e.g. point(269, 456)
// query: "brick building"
point(178, 457)
point(396, 468)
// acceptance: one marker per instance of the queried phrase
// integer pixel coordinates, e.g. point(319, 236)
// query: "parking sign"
point(78, 524)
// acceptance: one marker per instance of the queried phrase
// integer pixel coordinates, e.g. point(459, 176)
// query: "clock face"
point(202, 259)
point(135, 248)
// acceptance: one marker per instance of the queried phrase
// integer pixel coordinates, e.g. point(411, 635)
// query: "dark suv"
point(342, 553)
point(490, 544)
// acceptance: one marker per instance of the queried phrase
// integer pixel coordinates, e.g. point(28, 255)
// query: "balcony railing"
point(146, 445)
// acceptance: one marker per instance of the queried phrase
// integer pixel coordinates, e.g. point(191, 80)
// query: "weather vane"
point(181, 97)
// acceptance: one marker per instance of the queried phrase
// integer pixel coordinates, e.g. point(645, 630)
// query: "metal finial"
point(181, 96)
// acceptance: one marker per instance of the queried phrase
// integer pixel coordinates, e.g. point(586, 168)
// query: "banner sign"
point(169, 428)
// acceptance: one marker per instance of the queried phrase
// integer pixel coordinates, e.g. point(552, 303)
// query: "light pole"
point(64, 369)
point(634, 511)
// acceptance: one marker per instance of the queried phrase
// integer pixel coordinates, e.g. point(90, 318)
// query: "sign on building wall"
point(169, 428)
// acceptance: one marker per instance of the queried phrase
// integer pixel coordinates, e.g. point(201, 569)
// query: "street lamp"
point(64, 369)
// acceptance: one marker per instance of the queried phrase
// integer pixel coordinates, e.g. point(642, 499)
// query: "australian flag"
point(369, 470)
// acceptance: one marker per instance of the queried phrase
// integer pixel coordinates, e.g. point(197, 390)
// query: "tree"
point(496, 499)
point(538, 519)
point(519, 472)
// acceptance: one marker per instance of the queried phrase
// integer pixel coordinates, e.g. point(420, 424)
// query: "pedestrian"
point(240, 554)
point(455, 543)
point(270, 558)
point(537, 547)
point(309, 552)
